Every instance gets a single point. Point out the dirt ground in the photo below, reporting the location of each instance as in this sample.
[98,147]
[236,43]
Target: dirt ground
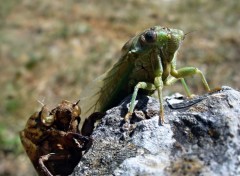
[49,50]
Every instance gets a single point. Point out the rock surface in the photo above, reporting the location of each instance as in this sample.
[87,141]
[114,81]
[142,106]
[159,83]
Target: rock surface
[201,136]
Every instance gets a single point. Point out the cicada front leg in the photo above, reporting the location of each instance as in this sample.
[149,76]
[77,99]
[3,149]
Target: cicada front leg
[189,71]
[140,85]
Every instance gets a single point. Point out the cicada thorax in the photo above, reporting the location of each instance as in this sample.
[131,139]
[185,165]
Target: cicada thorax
[141,72]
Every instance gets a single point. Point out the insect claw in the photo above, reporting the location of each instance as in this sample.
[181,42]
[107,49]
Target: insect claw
[127,117]
[160,122]
[161,118]
[192,96]
[215,90]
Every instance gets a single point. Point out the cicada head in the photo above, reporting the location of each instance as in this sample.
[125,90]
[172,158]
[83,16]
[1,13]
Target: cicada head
[164,40]
[169,39]
[163,37]
[67,116]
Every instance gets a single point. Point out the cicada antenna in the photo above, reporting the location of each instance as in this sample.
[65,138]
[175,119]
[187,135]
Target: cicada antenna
[189,33]
[41,101]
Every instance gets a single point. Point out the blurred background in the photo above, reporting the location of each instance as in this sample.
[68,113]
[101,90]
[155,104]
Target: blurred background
[49,50]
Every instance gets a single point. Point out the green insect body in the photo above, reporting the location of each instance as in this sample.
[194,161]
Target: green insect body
[147,63]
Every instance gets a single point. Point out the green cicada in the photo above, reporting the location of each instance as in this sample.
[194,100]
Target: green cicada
[147,63]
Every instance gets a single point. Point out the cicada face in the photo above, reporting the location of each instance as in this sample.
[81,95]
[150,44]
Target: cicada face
[164,40]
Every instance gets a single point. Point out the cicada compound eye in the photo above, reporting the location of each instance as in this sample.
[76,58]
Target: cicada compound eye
[149,36]
[76,111]
[46,118]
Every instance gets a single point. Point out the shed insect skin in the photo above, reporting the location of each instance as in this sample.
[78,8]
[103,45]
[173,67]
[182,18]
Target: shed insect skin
[53,141]
[147,64]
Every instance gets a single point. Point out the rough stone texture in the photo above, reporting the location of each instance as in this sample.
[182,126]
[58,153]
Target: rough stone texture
[201,136]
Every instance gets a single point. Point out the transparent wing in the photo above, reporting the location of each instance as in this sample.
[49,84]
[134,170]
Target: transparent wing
[99,93]
[90,97]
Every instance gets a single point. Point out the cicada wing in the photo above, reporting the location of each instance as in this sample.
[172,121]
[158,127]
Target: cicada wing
[90,97]
[99,93]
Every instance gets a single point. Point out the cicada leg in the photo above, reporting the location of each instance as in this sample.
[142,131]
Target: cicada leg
[172,80]
[159,86]
[50,157]
[140,85]
[42,166]
[188,71]
[88,125]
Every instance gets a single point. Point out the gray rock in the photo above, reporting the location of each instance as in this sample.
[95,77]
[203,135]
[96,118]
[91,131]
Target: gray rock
[201,136]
